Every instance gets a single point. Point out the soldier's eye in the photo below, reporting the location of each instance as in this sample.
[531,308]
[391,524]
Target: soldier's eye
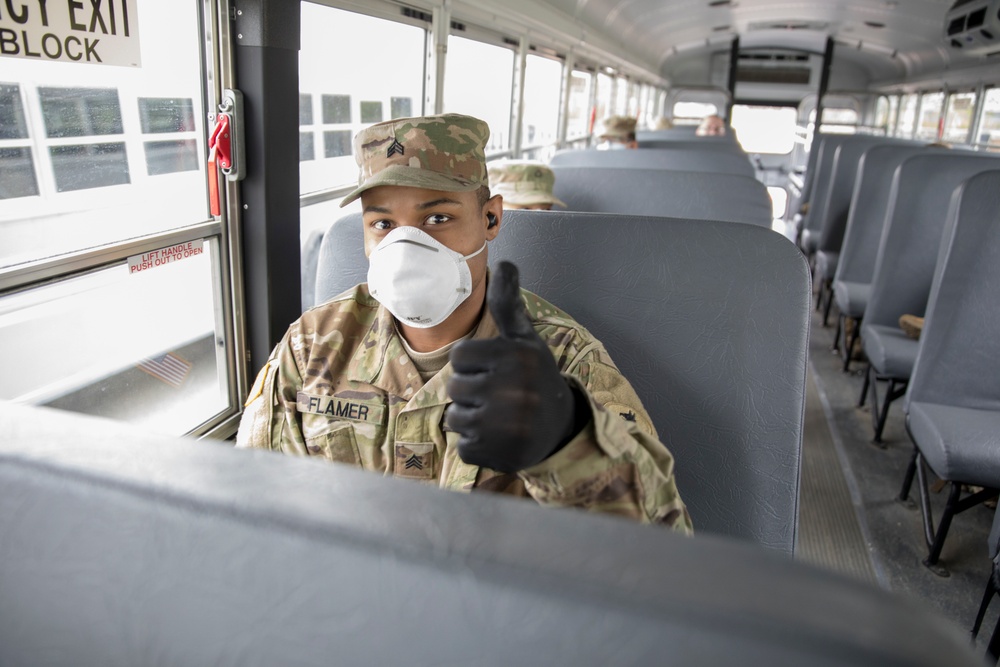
[438,218]
[381,225]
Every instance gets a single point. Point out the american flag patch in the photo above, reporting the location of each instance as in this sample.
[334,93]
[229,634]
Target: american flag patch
[167,368]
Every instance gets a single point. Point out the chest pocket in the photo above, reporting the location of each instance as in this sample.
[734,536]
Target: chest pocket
[338,444]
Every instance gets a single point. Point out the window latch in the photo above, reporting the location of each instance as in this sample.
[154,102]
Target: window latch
[225,146]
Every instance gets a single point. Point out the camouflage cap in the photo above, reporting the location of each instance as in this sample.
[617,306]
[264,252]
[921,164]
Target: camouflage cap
[618,127]
[523,183]
[445,152]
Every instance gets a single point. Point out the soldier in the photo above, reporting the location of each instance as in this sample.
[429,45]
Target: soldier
[619,132]
[436,370]
[711,126]
[523,184]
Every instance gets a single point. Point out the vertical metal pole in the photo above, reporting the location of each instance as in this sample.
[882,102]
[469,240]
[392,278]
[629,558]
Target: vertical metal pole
[437,50]
[734,63]
[824,81]
[564,95]
[517,117]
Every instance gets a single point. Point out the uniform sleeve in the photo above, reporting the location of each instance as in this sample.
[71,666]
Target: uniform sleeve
[270,419]
[616,464]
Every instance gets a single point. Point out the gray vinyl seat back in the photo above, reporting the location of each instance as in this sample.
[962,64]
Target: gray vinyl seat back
[869,205]
[720,162]
[708,320]
[310,258]
[959,359]
[124,548]
[841,187]
[908,250]
[819,181]
[723,143]
[661,192]
[807,178]
[680,132]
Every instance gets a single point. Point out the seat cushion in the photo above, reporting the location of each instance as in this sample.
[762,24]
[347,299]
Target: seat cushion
[960,444]
[852,298]
[891,352]
[826,264]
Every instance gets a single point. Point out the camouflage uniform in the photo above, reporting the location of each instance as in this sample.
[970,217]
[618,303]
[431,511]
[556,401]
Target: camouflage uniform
[340,385]
[523,183]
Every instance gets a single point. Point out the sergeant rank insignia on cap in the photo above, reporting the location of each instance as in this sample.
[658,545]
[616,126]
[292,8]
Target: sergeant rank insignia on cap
[395,147]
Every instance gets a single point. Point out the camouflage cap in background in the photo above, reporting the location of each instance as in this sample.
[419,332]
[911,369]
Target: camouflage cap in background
[618,127]
[446,152]
[523,183]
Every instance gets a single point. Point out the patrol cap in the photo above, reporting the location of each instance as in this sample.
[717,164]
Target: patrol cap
[446,152]
[523,182]
[618,127]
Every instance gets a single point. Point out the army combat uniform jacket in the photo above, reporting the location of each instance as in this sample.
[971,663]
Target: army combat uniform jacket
[340,385]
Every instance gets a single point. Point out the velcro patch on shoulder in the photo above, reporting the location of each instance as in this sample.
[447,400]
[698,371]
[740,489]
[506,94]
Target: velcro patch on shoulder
[258,385]
[339,408]
[630,415]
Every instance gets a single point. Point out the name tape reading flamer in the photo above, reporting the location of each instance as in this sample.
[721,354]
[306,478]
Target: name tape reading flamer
[164,256]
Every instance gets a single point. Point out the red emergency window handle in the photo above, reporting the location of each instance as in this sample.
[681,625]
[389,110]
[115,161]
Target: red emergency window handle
[219,156]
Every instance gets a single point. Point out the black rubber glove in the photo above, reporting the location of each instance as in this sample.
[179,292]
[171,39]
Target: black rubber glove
[511,406]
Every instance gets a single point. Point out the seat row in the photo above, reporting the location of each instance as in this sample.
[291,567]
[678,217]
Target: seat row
[922,238]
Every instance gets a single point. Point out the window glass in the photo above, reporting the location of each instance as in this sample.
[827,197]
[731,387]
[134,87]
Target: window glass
[763,129]
[931,105]
[402,107]
[171,157]
[17,173]
[694,110]
[579,104]
[307,146]
[989,122]
[958,119]
[336,109]
[371,112]
[890,126]
[12,122]
[305,110]
[881,111]
[837,120]
[125,344]
[622,95]
[89,166]
[542,81]
[907,116]
[336,143]
[75,168]
[467,91]
[604,109]
[165,114]
[79,112]
[377,80]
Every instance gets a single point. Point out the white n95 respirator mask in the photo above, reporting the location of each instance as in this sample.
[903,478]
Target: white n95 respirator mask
[419,279]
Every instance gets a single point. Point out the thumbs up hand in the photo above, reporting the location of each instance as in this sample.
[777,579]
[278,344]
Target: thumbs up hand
[511,406]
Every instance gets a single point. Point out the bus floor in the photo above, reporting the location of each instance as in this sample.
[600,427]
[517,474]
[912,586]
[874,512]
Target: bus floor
[849,519]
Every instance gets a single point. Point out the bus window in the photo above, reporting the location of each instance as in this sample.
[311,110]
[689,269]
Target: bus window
[691,113]
[467,91]
[765,129]
[890,126]
[623,97]
[380,86]
[907,116]
[114,270]
[885,113]
[579,104]
[837,120]
[604,108]
[958,118]
[989,121]
[931,105]
[542,81]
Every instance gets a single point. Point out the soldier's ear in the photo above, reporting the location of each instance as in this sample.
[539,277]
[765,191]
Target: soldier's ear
[491,220]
